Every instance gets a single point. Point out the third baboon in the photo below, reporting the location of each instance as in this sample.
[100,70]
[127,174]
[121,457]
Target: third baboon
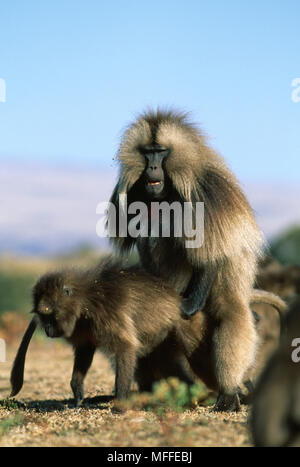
[275,417]
[284,281]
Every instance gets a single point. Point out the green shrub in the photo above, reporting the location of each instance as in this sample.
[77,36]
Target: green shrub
[286,247]
[169,394]
[11,422]
[15,291]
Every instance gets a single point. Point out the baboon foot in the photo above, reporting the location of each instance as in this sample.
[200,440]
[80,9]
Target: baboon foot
[227,403]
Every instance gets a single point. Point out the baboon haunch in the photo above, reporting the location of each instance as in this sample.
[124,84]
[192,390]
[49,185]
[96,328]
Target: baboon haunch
[165,158]
[194,342]
[129,315]
[275,418]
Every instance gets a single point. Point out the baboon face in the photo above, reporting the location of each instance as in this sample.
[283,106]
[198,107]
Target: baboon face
[160,154]
[154,175]
[56,305]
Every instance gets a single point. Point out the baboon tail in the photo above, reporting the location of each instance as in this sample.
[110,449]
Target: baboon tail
[17,372]
[269,298]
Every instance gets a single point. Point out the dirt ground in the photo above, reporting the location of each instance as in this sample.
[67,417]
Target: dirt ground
[47,416]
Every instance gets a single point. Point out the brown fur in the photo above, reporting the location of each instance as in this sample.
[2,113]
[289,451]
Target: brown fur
[275,417]
[285,282]
[196,346]
[105,309]
[232,240]
[129,315]
[126,313]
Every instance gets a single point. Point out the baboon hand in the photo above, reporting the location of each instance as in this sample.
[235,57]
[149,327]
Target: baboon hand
[188,308]
[227,403]
[198,291]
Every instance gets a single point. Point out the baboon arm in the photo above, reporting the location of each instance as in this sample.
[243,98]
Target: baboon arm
[198,290]
[125,366]
[17,372]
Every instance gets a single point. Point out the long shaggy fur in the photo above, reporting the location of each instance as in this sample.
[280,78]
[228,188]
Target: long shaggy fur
[275,418]
[232,239]
[131,316]
[198,174]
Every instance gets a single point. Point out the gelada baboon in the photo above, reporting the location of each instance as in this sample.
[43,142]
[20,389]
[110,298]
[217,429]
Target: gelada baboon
[163,157]
[105,308]
[275,416]
[283,281]
[126,313]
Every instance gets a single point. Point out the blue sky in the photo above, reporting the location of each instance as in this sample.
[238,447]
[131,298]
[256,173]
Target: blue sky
[77,72]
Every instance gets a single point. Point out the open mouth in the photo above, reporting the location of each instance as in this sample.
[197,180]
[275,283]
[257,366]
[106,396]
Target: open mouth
[155,183]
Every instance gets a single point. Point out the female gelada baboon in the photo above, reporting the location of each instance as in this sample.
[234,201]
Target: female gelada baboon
[163,157]
[129,315]
[104,307]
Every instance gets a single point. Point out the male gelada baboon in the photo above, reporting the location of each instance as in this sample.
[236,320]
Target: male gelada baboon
[129,315]
[163,157]
[275,417]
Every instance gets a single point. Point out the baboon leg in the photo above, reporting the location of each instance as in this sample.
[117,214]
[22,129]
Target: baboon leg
[150,370]
[83,357]
[145,373]
[234,344]
[180,371]
[164,361]
[125,366]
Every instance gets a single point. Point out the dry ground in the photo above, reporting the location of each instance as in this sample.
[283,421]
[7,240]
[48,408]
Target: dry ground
[48,417]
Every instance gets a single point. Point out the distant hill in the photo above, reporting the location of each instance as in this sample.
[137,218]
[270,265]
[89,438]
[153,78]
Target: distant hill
[46,211]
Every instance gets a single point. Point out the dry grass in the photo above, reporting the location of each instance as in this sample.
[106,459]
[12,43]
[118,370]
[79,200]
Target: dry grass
[47,417]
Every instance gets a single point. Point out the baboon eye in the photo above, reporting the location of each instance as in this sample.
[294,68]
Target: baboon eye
[67,290]
[42,310]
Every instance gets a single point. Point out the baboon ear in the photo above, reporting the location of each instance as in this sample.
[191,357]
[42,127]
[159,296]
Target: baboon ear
[67,290]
